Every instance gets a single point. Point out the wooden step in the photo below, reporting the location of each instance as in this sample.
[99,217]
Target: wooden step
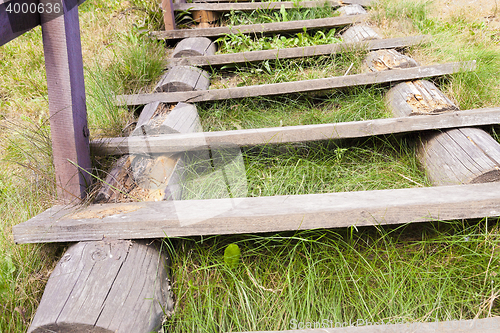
[486,325]
[160,219]
[250,6]
[294,52]
[263,28]
[251,137]
[299,86]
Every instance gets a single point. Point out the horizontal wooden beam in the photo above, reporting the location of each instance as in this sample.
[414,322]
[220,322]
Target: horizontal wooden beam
[299,86]
[13,24]
[249,6]
[264,28]
[486,325]
[172,143]
[295,52]
[364,3]
[261,214]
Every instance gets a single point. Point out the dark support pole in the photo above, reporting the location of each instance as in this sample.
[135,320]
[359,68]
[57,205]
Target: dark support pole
[168,14]
[67,106]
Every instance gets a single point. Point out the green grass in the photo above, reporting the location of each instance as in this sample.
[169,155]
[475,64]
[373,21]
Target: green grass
[458,39]
[339,106]
[370,164]
[266,16]
[425,272]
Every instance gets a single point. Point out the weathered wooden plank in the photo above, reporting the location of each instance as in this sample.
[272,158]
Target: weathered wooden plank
[67,106]
[264,28]
[294,52]
[288,134]
[360,2]
[260,214]
[486,325]
[299,86]
[250,6]
[168,14]
[195,46]
[359,33]
[105,286]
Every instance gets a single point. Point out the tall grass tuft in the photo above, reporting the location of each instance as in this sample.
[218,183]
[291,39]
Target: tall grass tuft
[26,189]
[426,272]
[136,64]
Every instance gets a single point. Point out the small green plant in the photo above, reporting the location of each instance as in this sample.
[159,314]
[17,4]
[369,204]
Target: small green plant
[234,43]
[232,255]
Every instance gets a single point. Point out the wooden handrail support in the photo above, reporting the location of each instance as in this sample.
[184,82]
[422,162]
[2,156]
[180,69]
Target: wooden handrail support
[66,90]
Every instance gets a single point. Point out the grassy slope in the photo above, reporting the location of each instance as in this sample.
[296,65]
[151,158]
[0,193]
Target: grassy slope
[426,272]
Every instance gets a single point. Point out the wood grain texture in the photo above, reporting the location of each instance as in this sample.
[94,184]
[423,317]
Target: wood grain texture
[168,15]
[288,134]
[455,156]
[416,98]
[460,156]
[264,28]
[299,86]
[360,2]
[195,46]
[294,52]
[115,181]
[183,118]
[147,176]
[105,286]
[486,325]
[67,105]
[183,78]
[359,33]
[260,214]
[382,60]
[352,10]
[250,6]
